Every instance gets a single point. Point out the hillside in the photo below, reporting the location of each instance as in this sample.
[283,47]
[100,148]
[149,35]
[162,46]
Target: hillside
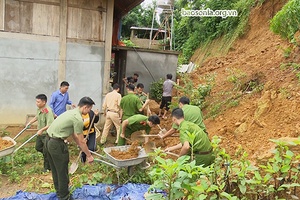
[259,116]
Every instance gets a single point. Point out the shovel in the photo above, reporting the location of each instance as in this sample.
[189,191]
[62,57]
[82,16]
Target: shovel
[74,165]
[24,142]
[149,147]
[172,154]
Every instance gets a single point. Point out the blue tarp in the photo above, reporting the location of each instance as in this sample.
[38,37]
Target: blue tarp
[128,191]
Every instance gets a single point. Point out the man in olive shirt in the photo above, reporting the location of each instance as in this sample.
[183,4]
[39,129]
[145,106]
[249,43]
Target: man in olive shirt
[136,123]
[45,117]
[131,104]
[140,92]
[191,114]
[202,148]
[70,123]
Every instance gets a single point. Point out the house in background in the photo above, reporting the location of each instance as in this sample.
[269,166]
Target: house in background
[43,42]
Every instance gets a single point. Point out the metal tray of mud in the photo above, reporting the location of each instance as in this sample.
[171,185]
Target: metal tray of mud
[8,150]
[128,162]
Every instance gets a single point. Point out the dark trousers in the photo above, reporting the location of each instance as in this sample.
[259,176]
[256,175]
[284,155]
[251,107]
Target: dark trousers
[165,102]
[91,143]
[58,155]
[40,147]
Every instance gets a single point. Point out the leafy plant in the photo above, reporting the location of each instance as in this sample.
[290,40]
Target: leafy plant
[227,178]
[129,43]
[287,21]
[196,94]
[235,76]
[156,90]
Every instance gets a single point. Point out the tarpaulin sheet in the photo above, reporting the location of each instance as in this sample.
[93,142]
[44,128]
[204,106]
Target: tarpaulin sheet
[128,191]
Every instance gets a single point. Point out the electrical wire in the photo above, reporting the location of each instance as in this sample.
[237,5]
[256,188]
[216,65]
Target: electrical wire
[144,64]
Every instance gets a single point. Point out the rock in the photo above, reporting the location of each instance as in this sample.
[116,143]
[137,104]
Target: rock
[238,123]
[263,105]
[243,119]
[241,129]
[222,131]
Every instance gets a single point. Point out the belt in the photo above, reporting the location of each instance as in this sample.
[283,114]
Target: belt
[56,139]
[112,111]
[203,152]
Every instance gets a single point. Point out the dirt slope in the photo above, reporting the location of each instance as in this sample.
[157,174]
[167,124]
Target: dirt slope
[273,113]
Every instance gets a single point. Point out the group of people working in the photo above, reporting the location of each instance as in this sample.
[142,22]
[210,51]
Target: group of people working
[55,125]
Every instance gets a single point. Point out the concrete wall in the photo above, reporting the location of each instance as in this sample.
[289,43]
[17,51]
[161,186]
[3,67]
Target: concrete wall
[84,72]
[157,64]
[29,66]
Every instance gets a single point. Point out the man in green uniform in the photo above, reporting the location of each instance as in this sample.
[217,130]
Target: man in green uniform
[140,92]
[191,114]
[136,123]
[70,123]
[131,104]
[202,150]
[44,117]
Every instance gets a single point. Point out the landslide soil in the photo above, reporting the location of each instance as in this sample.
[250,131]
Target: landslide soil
[270,114]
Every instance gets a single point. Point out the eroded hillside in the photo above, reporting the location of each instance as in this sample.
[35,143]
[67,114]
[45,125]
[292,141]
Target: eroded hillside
[256,58]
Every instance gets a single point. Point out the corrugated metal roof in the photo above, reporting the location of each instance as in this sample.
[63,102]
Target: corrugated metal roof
[122,7]
[147,29]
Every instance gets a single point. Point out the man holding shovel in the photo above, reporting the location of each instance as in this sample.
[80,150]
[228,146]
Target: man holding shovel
[45,117]
[136,123]
[199,148]
[131,104]
[70,123]
[191,114]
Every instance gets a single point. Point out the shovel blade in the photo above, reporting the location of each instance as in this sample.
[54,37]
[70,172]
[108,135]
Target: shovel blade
[73,168]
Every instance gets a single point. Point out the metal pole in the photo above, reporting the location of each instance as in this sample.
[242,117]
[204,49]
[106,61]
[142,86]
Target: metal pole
[172,29]
[151,31]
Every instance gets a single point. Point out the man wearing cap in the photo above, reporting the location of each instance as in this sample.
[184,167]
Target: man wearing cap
[70,123]
[136,123]
[202,148]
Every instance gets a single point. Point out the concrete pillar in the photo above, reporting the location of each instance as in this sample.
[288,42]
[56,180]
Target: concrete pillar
[63,20]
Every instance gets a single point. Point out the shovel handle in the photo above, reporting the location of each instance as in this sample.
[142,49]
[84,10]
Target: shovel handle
[24,143]
[159,127]
[24,129]
[98,160]
[172,154]
[148,136]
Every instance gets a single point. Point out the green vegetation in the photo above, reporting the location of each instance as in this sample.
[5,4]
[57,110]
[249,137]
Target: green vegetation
[193,32]
[156,90]
[227,178]
[128,43]
[287,21]
[196,94]
[295,67]
[235,76]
